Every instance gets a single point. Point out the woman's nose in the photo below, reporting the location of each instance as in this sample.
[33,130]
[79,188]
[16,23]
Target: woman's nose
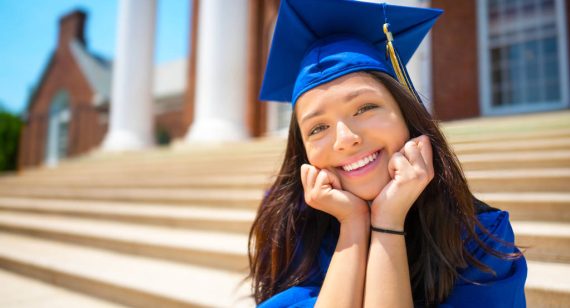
[345,138]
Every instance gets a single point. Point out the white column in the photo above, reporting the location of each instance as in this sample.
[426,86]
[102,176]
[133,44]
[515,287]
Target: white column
[131,113]
[221,72]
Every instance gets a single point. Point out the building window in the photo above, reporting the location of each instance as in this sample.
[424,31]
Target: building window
[58,129]
[523,55]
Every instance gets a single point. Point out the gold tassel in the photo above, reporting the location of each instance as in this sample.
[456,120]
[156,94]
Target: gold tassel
[397,64]
[394,57]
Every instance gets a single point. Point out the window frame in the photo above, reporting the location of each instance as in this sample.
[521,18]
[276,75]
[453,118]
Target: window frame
[485,80]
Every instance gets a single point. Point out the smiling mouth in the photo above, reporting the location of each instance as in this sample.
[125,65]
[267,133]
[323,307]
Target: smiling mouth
[361,163]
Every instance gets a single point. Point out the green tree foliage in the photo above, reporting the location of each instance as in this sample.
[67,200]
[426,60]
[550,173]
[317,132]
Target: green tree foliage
[10,129]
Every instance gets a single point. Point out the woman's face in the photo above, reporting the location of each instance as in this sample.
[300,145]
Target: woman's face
[351,126]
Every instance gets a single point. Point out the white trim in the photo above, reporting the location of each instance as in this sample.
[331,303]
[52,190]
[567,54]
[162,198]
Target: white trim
[562,24]
[483,53]
[484,66]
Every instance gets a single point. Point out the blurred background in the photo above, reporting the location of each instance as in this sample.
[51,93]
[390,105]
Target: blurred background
[134,150]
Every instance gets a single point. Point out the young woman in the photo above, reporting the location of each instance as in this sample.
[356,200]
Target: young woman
[370,207]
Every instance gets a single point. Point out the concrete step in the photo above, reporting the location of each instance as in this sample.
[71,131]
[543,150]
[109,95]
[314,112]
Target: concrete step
[554,207]
[268,161]
[545,241]
[170,181]
[508,180]
[19,291]
[211,249]
[186,217]
[518,123]
[163,168]
[519,180]
[125,279]
[538,180]
[555,204]
[144,282]
[534,139]
[259,176]
[242,198]
[516,160]
[184,163]
[508,136]
[547,285]
[546,144]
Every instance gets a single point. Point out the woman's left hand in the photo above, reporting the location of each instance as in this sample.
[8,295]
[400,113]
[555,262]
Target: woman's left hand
[411,170]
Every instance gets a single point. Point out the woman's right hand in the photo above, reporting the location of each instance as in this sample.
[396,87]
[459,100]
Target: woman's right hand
[324,192]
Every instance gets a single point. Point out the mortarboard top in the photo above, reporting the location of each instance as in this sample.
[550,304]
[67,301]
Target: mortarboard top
[316,41]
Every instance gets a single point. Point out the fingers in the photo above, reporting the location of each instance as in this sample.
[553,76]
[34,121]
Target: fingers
[423,145]
[304,171]
[333,179]
[317,183]
[312,179]
[321,181]
[398,164]
[418,153]
[426,151]
[412,153]
[308,173]
[311,176]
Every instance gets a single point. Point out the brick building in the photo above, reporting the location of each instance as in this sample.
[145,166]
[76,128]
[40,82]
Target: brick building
[67,113]
[483,58]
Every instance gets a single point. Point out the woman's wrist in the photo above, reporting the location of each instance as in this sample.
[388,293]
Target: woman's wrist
[387,221]
[388,231]
[358,222]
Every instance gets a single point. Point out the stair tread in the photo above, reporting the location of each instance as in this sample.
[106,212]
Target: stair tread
[548,276]
[518,173]
[516,155]
[127,208]
[560,197]
[539,228]
[21,291]
[186,283]
[138,193]
[217,242]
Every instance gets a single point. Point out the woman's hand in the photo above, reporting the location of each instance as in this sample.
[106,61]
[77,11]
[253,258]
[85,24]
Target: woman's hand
[411,170]
[324,192]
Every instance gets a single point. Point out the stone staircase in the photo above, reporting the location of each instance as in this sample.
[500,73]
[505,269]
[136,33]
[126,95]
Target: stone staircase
[168,227]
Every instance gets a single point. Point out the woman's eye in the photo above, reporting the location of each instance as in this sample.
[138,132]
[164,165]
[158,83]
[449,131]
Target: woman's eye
[317,129]
[366,108]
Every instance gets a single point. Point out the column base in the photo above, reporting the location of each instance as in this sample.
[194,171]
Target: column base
[117,141]
[216,130]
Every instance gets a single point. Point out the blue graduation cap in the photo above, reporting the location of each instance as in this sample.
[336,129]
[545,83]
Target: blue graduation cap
[316,41]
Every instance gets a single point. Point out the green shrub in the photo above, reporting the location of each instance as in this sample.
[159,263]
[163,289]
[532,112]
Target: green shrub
[10,129]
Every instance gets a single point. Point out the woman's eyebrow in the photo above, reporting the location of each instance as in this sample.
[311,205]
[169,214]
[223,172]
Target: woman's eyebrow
[352,95]
[313,114]
[347,98]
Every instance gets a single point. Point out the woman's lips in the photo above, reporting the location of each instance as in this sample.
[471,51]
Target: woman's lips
[364,169]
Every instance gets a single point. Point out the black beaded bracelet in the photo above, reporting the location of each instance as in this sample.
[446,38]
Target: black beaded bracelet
[387,231]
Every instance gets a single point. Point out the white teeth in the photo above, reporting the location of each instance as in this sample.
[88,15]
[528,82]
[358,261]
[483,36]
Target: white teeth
[361,163]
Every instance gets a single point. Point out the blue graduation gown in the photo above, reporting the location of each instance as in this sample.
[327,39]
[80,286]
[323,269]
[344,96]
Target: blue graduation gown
[506,289]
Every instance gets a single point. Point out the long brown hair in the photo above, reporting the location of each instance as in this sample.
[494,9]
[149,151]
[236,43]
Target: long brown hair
[286,235]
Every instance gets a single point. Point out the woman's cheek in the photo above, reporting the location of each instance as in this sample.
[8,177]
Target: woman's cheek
[316,154]
[318,151]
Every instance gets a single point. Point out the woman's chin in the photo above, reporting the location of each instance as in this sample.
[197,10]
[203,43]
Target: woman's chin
[367,189]
[365,194]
